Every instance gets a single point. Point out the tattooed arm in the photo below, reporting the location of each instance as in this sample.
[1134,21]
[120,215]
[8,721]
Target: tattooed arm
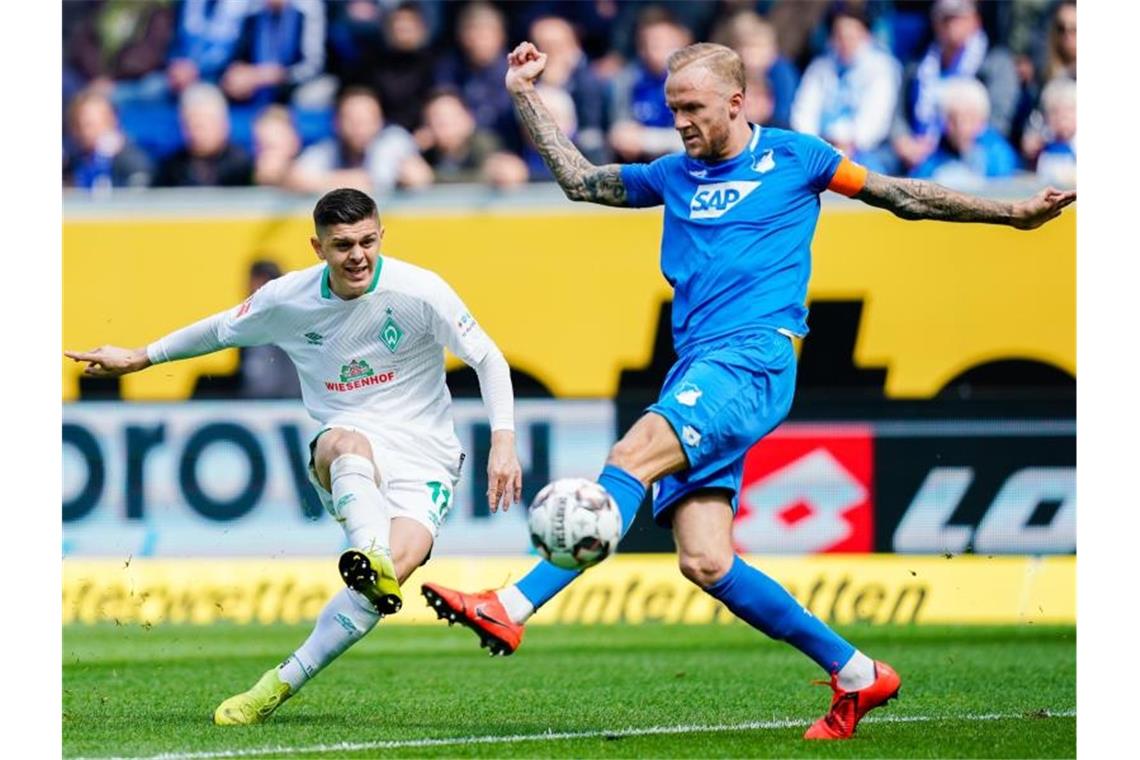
[918,199]
[578,178]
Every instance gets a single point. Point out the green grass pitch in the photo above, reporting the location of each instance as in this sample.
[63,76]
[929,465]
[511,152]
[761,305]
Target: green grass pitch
[618,691]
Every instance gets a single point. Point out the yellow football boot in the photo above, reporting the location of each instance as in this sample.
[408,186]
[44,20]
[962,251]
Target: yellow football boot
[372,574]
[255,705]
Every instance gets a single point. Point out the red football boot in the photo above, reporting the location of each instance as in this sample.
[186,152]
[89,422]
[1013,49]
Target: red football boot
[848,707]
[482,613]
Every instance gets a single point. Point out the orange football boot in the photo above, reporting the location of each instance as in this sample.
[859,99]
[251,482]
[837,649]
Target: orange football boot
[482,613]
[848,707]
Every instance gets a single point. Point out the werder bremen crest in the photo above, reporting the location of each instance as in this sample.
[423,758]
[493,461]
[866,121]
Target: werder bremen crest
[391,333]
[355,370]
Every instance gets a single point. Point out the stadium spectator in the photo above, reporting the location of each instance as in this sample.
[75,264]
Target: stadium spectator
[364,154]
[399,66]
[1061,54]
[119,41]
[849,96]
[1056,154]
[208,158]
[455,148]
[754,39]
[568,69]
[759,106]
[696,18]
[281,47]
[266,372]
[594,22]
[642,126]
[794,22]
[208,31]
[275,146]
[477,69]
[971,150]
[960,49]
[102,158]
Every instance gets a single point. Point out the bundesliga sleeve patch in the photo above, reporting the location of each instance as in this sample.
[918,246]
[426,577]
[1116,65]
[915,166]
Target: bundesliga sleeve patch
[465,324]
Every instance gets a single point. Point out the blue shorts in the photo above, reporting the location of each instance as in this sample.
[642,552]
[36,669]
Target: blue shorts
[720,399]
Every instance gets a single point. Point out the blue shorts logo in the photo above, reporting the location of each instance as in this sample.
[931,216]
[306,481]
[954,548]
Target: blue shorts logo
[687,394]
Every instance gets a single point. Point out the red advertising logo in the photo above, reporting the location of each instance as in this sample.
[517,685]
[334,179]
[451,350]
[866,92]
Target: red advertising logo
[807,489]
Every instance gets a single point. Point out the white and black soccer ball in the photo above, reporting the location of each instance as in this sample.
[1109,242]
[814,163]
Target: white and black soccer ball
[574,523]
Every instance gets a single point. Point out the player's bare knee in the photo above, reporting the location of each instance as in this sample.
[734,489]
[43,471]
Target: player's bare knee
[349,442]
[334,444]
[705,568]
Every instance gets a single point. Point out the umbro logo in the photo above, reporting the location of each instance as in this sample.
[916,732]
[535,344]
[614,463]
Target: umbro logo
[315,339]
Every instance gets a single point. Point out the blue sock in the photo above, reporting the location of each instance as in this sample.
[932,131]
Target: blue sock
[767,606]
[545,580]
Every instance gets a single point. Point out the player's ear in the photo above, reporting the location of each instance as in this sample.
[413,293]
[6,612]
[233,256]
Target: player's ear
[316,243]
[735,103]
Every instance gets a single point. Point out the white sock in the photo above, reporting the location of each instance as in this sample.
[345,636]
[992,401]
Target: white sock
[342,622]
[357,501]
[858,673]
[518,607]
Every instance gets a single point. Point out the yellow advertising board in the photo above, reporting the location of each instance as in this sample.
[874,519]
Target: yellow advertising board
[573,297]
[635,589]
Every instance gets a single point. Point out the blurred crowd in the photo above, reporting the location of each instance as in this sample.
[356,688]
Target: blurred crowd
[308,95]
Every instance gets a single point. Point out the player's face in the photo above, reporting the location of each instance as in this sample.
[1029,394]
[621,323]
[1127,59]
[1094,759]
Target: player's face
[350,250]
[703,108]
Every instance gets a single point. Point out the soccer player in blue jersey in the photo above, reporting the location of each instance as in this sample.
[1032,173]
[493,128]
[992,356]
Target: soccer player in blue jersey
[741,204]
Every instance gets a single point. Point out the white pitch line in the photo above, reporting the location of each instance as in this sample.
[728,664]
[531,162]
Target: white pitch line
[552,736]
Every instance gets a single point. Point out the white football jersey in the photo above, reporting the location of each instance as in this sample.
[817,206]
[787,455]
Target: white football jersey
[374,362]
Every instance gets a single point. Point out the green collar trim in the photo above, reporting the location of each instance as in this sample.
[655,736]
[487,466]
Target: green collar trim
[326,290]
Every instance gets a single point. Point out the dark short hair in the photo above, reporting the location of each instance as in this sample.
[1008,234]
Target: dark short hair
[354,91]
[265,269]
[342,206]
[444,91]
[847,10]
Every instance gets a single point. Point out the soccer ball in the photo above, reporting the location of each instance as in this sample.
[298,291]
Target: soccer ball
[574,523]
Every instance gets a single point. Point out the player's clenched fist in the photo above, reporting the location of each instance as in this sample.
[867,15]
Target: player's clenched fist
[524,65]
[110,361]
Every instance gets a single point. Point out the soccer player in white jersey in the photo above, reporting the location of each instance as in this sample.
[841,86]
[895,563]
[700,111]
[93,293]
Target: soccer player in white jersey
[366,333]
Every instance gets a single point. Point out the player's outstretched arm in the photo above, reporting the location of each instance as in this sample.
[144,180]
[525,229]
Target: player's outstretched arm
[202,337]
[111,361]
[578,178]
[919,199]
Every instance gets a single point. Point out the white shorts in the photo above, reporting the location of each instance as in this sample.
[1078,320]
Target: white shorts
[424,496]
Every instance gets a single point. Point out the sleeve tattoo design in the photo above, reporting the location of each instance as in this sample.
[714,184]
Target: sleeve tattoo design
[579,179]
[916,199]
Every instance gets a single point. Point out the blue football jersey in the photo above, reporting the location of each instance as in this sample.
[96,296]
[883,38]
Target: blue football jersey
[736,243]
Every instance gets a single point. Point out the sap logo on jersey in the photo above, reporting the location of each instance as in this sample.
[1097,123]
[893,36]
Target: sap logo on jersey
[712,201]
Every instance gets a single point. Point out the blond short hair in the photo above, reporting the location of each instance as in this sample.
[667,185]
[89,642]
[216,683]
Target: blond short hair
[722,61]
[967,92]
